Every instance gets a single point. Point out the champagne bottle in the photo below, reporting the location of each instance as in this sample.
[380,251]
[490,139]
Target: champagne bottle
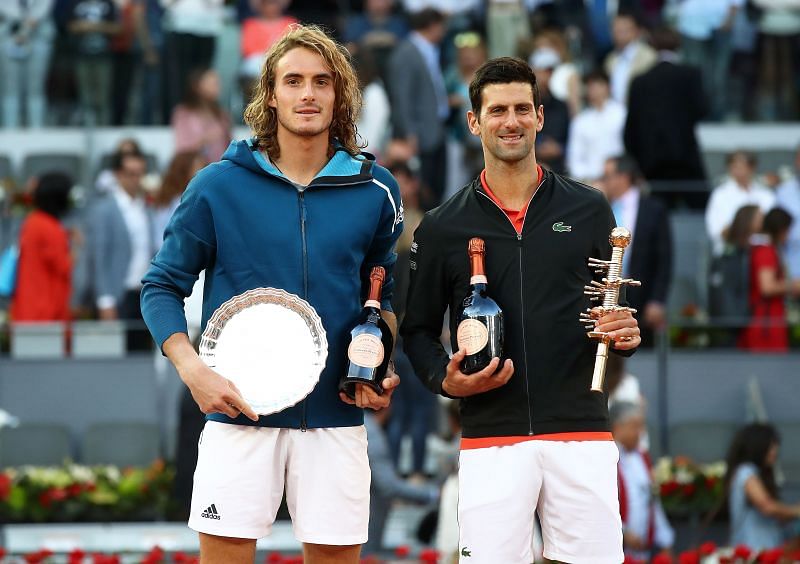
[371,342]
[479,319]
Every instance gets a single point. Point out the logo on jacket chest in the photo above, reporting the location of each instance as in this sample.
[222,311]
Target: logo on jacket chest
[559,227]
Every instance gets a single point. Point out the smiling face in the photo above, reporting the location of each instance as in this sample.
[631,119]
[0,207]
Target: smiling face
[508,122]
[304,94]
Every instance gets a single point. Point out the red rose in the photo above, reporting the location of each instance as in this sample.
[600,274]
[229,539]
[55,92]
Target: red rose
[90,487]
[2,552]
[74,490]
[273,558]
[428,556]
[770,556]
[742,551]
[711,481]
[688,557]
[402,551]
[669,488]
[662,558]
[725,560]
[708,548]
[688,490]
[44,499]
[5,486]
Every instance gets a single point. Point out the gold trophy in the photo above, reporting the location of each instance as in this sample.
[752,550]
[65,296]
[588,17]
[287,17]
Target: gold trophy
[608,292]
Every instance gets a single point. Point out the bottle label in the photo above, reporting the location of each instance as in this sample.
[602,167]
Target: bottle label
[478,279]
[472,336]
[366,351]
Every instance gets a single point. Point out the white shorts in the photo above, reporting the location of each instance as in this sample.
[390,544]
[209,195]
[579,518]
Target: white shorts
[242,471]
[572,485]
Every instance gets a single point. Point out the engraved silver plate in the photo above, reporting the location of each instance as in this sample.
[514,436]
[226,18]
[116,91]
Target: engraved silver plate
[268,342]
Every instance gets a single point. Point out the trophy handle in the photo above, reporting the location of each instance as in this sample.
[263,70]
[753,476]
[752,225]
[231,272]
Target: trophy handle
[599,374]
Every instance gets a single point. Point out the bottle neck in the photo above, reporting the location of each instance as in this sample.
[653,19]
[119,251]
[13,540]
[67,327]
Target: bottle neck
[374,297]
[478,271]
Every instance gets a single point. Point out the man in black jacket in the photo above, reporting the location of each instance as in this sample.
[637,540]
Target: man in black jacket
[536,439]
[665,104]
[649,256]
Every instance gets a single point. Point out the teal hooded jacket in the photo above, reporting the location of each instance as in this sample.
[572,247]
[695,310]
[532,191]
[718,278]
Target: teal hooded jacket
[248,226]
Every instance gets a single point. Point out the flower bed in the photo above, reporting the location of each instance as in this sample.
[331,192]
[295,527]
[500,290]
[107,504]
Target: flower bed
[687,488]
[73,493]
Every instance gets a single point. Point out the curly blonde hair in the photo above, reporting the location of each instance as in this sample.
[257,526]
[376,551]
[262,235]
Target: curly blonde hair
[263,119]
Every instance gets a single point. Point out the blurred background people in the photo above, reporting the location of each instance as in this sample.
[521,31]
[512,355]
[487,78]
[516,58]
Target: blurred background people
[46,250]
[788,197]
[730,277]
[465,154]
[164,202]
[596,132]
[631,57]
[769,287]
[26,41]
[386,485]
[646,530]
[191,29]
[199,122]
[419,101]
[551,141]
[92,25]
[758,518]
[665,104]
[120,246]
[374,122]
[257,36]
[739,189]
[648,258]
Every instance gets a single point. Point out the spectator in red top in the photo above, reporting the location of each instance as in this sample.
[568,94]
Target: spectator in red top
[45,264]
[769,287]
[258,35]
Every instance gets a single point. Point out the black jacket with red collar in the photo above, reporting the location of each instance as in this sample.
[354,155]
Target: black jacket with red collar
[537,278]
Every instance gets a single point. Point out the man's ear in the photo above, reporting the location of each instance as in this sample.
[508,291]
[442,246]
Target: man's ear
[474,123]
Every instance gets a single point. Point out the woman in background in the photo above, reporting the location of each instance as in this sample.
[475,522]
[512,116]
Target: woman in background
[758,517]
[199,122]
[44,272]
[769,287]
[179,172]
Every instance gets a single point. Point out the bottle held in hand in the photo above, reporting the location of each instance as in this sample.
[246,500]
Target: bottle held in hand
[479,319]
[371,342]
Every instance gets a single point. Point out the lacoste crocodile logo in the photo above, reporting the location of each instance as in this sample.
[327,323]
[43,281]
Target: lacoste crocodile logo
[561,228]
[465,553]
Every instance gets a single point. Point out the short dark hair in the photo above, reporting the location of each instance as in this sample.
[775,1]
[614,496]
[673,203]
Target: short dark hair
[425,18]
[751,158]
[502,70]
[597,75]
[626,164]
[665,38]
[118,159]
[51,194]
[777,221]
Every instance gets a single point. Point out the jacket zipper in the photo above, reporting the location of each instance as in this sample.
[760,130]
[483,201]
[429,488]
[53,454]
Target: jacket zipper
[302,203]
[521,297]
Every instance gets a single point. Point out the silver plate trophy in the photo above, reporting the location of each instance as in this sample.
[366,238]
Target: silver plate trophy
[271,344]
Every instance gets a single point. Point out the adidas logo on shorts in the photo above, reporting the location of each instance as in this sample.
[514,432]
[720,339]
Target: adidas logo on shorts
[211,513]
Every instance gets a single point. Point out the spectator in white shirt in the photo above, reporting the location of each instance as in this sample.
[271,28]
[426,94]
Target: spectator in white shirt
[788,197]
[596,132]
[630,58]
[738,190]
[646,530]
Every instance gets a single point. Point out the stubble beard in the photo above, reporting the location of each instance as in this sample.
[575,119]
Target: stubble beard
[308,130]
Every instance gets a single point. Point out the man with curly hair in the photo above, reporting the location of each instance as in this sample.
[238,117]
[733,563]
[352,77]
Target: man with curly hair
[299,208]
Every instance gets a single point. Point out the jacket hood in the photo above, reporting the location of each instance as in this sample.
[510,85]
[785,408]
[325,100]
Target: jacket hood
[341,169]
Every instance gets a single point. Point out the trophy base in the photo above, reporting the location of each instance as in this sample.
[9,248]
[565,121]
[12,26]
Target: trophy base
[348,386]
